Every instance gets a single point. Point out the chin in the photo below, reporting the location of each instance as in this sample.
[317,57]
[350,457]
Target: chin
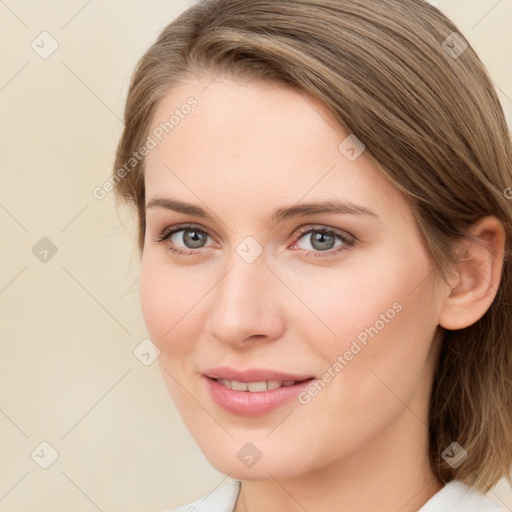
[240,461]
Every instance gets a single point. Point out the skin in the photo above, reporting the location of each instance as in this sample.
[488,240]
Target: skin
[361,443]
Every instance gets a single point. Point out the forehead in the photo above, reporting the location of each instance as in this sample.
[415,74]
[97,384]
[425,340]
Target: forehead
[245,111]
[256,142]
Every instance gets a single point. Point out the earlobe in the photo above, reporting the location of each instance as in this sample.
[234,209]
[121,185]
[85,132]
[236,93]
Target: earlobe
[477,276]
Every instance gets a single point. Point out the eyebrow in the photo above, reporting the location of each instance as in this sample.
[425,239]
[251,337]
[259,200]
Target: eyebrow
[279,214]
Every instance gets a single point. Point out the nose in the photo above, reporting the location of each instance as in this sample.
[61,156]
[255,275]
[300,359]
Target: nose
[245,304]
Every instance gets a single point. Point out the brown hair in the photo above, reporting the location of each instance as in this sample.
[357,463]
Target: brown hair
[428,114]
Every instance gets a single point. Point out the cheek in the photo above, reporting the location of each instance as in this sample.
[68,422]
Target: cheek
[166,303]
[173,306]
[156,305]
[165,298]
[359,300]
[380,317]
[383,335]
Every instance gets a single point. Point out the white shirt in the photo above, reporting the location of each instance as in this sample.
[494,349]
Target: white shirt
[455,496]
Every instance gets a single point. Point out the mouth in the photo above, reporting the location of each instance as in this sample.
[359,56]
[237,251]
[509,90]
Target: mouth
[253,392]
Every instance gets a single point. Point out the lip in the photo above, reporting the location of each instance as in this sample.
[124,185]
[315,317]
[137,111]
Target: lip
[252,374]
[245,403]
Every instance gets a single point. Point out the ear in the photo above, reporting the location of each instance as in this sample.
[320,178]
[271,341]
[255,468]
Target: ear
[476,278]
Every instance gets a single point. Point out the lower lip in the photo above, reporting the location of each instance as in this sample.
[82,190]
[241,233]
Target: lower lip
[247,403]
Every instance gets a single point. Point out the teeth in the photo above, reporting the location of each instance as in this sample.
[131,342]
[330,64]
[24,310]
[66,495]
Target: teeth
[252,387]
[257,386]
[239,386]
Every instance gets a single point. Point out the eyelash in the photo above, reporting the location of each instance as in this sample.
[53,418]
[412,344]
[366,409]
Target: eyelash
[347,241]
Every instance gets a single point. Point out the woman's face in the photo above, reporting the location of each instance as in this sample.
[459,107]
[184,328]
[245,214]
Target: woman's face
[298,261]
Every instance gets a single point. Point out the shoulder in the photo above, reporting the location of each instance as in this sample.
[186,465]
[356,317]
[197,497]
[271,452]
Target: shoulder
[221,499]
[457,495]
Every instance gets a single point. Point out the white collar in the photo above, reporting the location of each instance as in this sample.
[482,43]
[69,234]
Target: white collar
[455,495]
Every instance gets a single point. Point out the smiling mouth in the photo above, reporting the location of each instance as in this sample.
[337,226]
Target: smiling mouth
[257,387]
[257,397]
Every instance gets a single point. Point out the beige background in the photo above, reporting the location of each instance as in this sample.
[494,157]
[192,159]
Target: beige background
[69,325]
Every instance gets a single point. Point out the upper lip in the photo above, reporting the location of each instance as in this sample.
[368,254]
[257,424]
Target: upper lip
[252,374]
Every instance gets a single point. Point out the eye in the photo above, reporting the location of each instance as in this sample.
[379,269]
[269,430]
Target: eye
[323,241]
[189,239]
[183,237]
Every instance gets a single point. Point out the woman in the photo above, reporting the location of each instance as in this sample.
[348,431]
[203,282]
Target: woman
[325,236]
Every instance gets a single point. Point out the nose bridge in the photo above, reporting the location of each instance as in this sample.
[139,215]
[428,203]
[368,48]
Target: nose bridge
[244,302]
